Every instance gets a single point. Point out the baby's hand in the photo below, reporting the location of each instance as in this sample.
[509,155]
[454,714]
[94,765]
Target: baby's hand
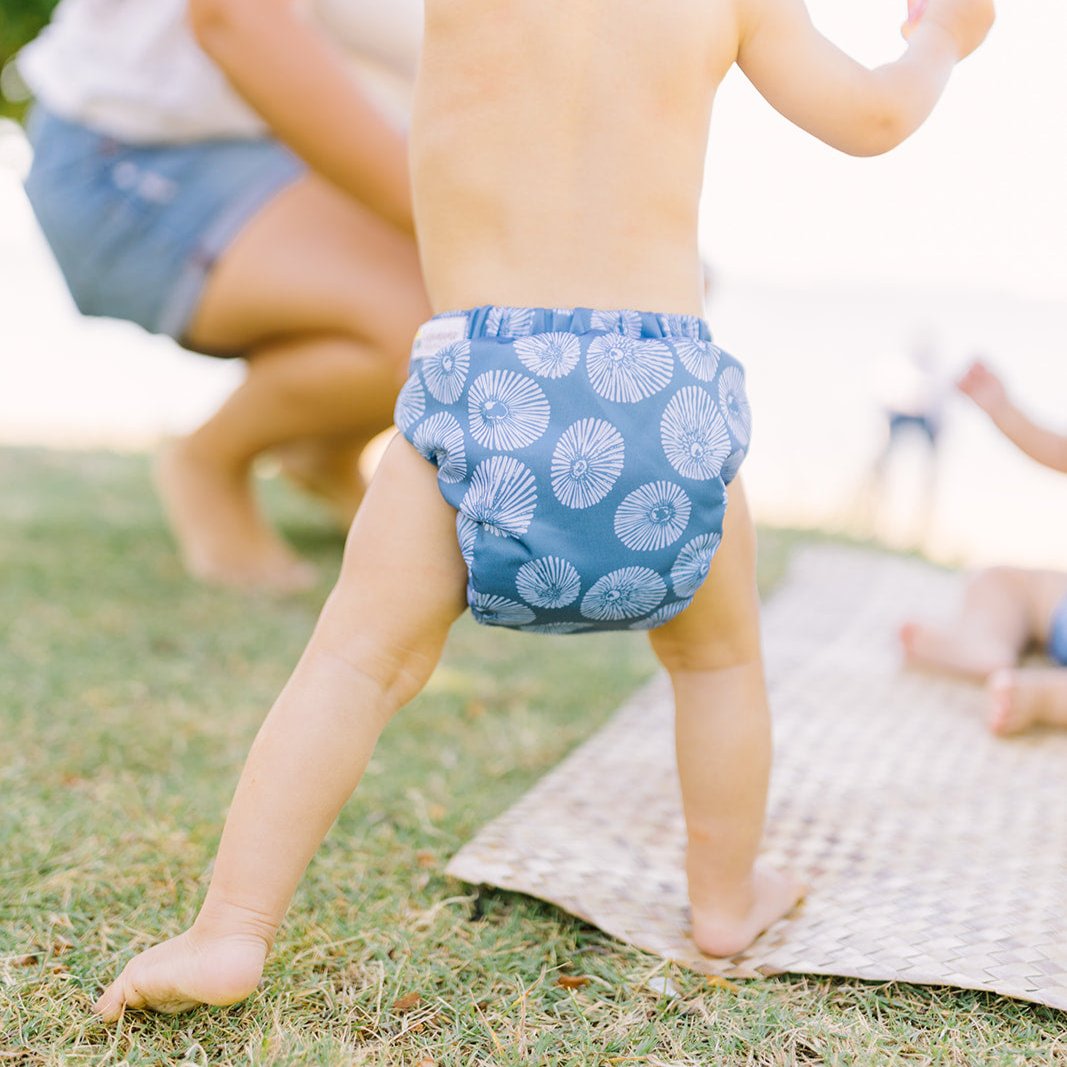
[966,21]
[984,388]
[915,12]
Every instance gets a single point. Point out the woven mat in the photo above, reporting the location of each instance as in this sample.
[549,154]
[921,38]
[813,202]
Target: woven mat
[934,852]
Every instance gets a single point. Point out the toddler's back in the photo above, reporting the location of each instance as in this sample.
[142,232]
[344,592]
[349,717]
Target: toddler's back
[559,149]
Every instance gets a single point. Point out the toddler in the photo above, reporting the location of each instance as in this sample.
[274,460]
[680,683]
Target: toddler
[569,431]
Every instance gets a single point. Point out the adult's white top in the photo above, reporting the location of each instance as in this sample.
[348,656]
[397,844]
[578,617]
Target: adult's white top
[133,69]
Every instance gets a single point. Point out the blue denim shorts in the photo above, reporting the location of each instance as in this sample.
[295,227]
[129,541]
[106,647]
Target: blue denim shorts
[587,455]
[137,228]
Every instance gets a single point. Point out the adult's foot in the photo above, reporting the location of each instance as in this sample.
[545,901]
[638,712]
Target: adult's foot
[222,537]
[1021,698]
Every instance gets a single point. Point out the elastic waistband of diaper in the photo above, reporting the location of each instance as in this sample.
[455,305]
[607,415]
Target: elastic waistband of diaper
[511,322]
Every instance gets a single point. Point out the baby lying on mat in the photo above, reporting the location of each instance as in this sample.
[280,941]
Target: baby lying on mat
[1006,610]
[564,465]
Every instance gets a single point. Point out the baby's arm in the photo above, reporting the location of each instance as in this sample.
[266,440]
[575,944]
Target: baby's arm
[988,392]
[291,75]
[859,111]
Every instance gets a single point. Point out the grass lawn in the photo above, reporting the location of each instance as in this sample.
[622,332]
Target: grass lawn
[128,698]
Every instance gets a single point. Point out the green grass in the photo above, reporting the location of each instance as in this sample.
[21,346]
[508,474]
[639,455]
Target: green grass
[20,21]
[128,697]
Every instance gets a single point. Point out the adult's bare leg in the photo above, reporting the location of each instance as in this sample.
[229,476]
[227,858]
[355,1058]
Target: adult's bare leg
[322,297]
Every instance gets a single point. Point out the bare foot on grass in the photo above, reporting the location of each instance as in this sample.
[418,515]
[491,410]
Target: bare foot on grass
[951,650]
[222,538]
[721,931]
[1019,699]
[184,972]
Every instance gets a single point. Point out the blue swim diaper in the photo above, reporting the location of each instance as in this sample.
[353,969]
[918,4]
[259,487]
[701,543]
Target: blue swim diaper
[587,455]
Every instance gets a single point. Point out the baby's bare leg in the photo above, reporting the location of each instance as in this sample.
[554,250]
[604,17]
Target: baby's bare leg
[994,625]
[722,723]
[1019,699]
[1004,610]
[381,632]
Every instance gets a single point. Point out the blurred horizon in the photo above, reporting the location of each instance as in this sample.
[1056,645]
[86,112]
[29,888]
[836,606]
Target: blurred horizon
[973,200]
[823,266]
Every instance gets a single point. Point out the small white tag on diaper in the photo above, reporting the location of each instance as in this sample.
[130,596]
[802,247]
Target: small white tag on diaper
[437,334]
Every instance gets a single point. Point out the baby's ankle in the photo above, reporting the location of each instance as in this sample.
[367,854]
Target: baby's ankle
[723,903]
[728,920]
[232,945]
[221,920]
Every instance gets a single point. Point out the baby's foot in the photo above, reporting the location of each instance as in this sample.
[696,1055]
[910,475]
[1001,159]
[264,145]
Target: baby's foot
[328,472]
[222,538]
[186,971]
[1019,699]
[947,650]
[726,932]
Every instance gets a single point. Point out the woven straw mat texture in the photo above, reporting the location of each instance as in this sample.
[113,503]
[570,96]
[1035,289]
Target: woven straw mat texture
[933,852]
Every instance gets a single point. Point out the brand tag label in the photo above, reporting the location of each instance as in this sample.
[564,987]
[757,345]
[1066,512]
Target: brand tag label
[437,334]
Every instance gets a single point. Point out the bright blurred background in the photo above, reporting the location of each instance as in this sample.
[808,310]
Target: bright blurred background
[825,269]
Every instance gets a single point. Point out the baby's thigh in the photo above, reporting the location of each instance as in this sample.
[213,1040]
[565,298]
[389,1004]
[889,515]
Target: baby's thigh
[721,627]
[403,580]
